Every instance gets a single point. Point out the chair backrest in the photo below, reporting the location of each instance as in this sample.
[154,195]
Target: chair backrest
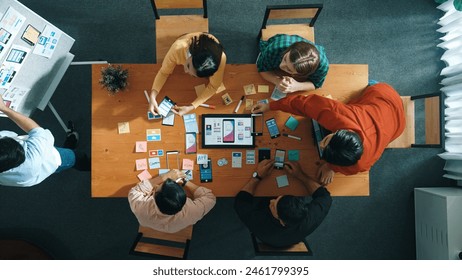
[152,242]
[264,249]
[433,117]
[178,4]
[170,27]
[285,13]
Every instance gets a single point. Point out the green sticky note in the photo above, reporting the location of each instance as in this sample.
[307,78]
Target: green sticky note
[293,155]
[291,123]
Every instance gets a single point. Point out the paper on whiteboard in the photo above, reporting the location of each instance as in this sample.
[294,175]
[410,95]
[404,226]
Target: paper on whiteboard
[12,64]
[48,41]
[14,97]
[10,25]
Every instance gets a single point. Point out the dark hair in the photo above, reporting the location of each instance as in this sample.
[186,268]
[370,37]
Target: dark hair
[171,198]
[11,154]
[304,56]
[291,209]
[344,149]
[206,55]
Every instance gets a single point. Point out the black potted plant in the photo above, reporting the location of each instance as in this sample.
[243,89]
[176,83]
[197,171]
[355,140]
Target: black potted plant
[114,78]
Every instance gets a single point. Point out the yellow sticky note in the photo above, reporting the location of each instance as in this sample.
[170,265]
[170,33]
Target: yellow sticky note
[124,127]
[250,89]
[227,99]
[248,104]
[263,88]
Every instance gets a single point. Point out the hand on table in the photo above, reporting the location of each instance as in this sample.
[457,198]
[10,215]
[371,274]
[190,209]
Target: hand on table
[265,167]
[182,110]
[153,106]
[288,85]
[173,174]
[260,108]
[324,174]
[293,168]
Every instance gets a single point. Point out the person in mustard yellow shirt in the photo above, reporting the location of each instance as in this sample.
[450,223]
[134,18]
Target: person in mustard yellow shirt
[202,56]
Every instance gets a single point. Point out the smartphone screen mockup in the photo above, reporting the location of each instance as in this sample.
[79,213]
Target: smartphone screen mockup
[165,106]
[191,143]
[228,131]
[272,128]
[279,158]
[206,171]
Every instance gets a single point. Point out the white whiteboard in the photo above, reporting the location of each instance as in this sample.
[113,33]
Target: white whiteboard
[38,73]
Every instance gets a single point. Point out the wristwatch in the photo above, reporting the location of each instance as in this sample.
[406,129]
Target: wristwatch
[255,175]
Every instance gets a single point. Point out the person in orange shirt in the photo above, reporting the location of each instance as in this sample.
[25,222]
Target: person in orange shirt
[362,129]
[202,56]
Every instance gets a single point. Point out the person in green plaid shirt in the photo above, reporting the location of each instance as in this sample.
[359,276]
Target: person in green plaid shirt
[292,63]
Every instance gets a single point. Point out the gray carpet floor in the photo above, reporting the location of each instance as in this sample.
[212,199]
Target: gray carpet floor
[397,39]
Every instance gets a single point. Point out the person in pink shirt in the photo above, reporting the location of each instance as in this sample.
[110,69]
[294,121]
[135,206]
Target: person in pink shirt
[162,204]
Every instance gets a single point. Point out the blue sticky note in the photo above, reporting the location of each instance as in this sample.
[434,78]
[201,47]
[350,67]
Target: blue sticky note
[291,123]
[293,155]
[282,181]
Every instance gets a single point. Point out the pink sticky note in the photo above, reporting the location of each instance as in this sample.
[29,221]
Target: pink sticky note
[144,175]
[141,164]
[141,146]
[188,164]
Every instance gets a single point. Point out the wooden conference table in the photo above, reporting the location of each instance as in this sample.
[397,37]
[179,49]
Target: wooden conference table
[113,154]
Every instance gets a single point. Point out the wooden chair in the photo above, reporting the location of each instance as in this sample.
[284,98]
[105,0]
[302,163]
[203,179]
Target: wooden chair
[433,132]
[284,16]
[301,248]
[151,242]
[170,27]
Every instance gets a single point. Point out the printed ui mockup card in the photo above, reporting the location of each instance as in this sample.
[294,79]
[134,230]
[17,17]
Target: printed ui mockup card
[153,134]
[202,158]
[250,156]
[156,153]
[237,160]
[154,163]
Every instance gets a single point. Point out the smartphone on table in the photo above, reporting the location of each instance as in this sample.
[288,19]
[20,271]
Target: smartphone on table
[165,106]
[279,158]
[206,171]
[272,128]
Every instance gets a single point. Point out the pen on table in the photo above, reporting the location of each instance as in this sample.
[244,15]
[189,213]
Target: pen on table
[292,136]
[207,106]
[239,104]
[147,96]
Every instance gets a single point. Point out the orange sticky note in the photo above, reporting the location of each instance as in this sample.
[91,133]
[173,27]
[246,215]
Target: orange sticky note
[188,164]
[145,175]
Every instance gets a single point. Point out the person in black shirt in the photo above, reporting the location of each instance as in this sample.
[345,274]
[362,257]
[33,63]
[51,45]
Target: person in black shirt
[284,220]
